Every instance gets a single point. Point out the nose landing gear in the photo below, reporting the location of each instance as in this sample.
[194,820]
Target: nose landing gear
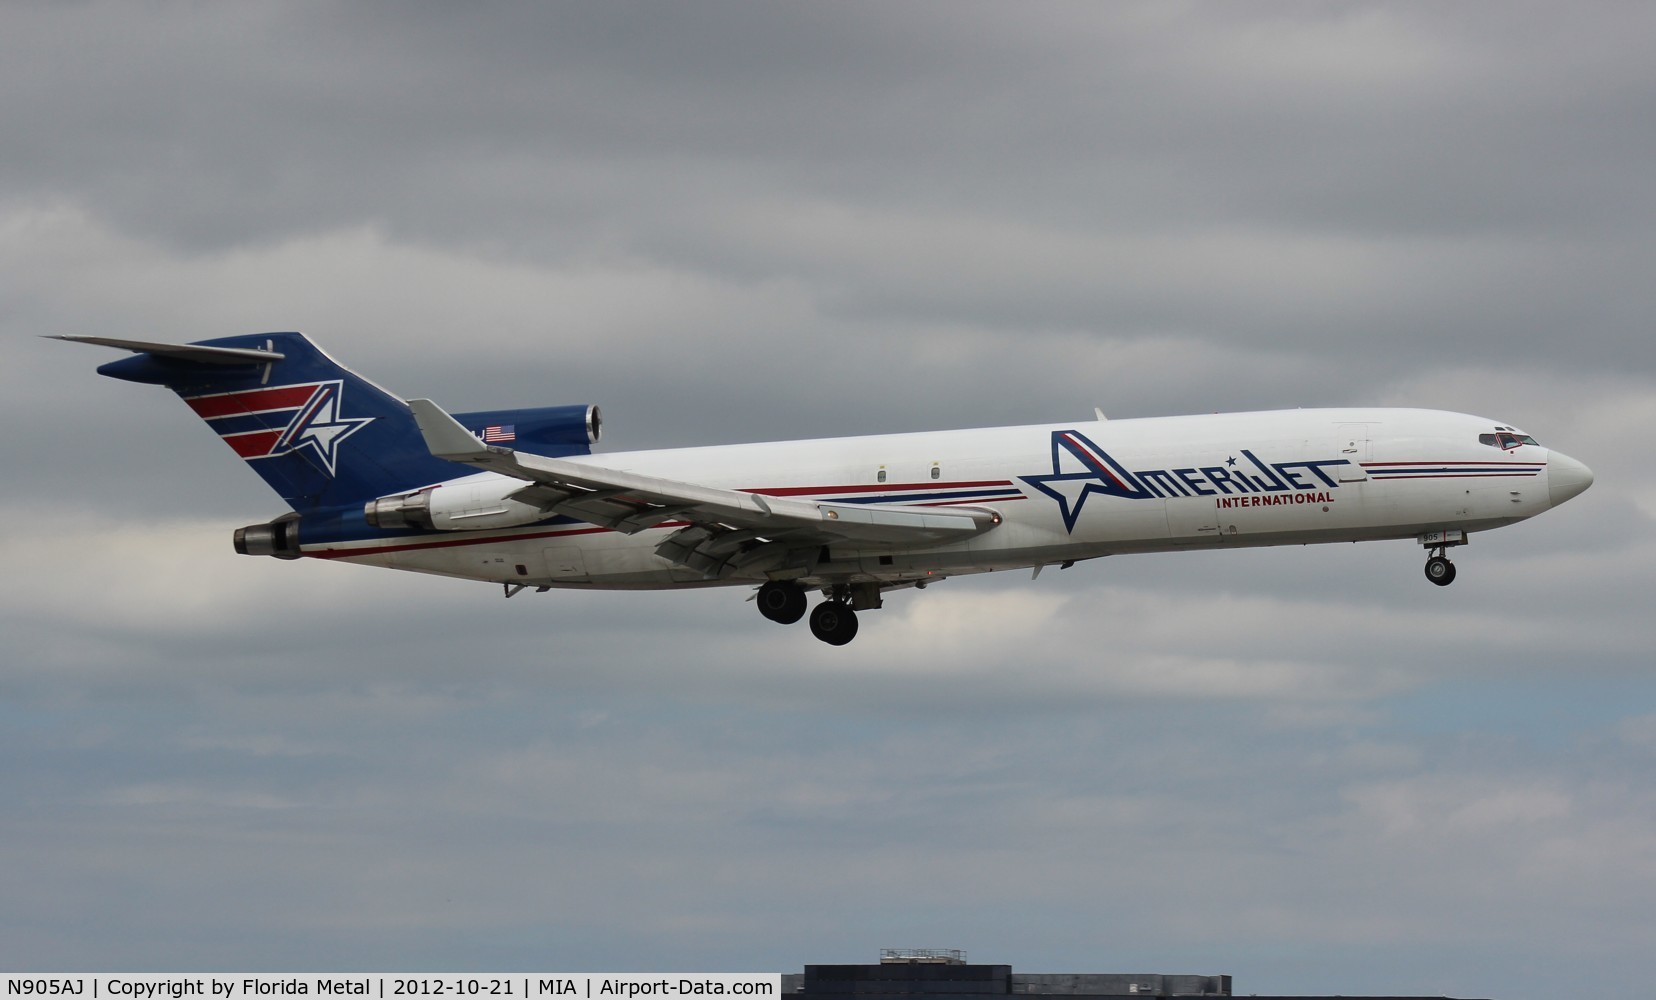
[1439,569]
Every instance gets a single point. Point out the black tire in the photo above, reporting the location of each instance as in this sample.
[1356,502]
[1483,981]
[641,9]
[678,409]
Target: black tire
[782,602]
[834,623]
[1440,571]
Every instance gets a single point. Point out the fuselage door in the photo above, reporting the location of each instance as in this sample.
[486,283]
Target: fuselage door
[1192,516]
[1192,519]
[566,564]
[1356,448]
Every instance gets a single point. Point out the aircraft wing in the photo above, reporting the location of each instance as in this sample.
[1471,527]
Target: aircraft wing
[726,530]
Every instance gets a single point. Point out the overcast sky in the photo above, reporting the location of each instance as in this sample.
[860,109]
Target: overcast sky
[1307,768]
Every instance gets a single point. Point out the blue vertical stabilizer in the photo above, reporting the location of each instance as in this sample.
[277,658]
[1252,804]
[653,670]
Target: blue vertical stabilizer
[319,434]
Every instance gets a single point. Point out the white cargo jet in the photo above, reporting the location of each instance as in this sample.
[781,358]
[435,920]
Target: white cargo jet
[515,497]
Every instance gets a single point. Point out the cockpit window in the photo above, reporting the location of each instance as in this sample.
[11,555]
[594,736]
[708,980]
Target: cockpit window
[1505,439]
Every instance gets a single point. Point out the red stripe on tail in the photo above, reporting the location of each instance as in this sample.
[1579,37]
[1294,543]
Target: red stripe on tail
[256,444]
[231,404]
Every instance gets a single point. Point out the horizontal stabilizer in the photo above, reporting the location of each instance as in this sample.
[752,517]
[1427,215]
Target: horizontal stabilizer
[182,352]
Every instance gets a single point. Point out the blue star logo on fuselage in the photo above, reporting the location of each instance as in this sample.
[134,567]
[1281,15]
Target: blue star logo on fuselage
[1092,471]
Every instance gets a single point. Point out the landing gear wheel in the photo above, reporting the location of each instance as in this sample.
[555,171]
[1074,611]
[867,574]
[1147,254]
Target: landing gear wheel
[834,623]
[782,602]
[1440,571]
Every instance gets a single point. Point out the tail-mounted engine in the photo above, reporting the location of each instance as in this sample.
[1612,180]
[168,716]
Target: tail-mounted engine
[455,506]
[406,510]
[553,431]
[487,503]
[279,538]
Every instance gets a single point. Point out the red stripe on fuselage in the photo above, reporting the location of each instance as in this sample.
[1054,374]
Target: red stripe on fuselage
[1454,461]
[800,491]
[1388,477]
[449,543]
[974,501]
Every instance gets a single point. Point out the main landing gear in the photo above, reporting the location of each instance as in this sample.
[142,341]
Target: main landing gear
[782,602]
[834,621]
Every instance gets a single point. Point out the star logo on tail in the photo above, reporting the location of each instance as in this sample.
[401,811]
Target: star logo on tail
[319,427]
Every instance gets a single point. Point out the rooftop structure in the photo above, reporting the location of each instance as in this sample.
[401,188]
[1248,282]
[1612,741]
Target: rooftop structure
[922,956]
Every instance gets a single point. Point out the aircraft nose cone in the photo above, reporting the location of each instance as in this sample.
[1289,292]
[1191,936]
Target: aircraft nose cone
[1566,477]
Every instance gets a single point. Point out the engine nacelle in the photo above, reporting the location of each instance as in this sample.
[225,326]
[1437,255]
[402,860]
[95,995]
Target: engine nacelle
[553,431]
[456,506]
[279,538]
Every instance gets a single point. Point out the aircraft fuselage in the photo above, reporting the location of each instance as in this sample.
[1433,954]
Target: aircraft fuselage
[1064,492]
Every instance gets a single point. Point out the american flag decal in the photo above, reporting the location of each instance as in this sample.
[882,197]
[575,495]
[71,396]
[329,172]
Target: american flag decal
[496,433]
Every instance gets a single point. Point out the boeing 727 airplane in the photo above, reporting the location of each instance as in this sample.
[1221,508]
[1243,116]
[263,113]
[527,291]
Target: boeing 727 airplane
[515,497]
